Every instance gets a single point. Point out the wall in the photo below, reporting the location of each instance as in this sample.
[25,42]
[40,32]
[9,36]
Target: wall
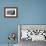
[29,12]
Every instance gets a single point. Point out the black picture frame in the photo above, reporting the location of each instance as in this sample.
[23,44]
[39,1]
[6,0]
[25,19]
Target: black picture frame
[10,12]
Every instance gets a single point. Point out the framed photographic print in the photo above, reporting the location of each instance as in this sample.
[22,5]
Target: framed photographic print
[33,32]
[10,12]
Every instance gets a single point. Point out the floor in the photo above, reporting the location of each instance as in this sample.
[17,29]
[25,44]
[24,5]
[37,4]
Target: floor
[34,43]
[7,45]
[28,43]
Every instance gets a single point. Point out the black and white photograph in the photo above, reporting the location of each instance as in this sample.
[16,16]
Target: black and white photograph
[33,32]
[11,12]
